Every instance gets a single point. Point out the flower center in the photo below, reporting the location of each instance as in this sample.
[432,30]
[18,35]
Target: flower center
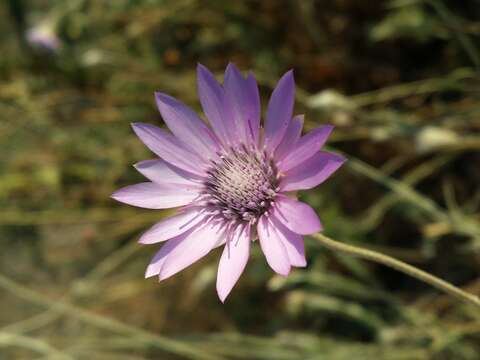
[242,184]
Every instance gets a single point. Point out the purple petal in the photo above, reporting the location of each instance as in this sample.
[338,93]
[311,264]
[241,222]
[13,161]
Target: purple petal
[279,111]
[43,38]
[233,261]
[312,172]
[171,227]
[272,247]
[163,173]
[245,100]
[159,259]
[169,148]
[215,105]
[153,196]
[293,244]
[306,147]
[195,246]
[187,126]
[253,98]
[296,216]
[290,138]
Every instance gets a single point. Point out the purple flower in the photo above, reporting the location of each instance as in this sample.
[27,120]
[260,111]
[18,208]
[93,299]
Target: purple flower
[43,37]
[232,181]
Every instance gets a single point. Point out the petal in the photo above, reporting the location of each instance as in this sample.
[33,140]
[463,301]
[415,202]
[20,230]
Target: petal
[171,227]
[296,216]
[161,256]
[169,148]
[272,247]
[162,173]
[195,246]
[290,138]
[185,124]
[255,111]
[306,147]
[245,101]
[214,104]
[279,111]
[233,261]
[311,172]
[293,244]
[153,196]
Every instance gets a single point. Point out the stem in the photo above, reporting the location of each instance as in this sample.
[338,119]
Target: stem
[400,266]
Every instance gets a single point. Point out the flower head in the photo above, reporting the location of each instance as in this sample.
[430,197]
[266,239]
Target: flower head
[43,37]
[232,181]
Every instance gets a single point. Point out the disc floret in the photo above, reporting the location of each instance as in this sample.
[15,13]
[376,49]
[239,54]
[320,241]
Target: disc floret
[242,184]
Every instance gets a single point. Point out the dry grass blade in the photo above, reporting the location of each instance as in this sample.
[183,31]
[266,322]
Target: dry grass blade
[115,326]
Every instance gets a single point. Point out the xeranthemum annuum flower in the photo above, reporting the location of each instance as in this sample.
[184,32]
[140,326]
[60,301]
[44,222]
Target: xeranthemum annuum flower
[232,182]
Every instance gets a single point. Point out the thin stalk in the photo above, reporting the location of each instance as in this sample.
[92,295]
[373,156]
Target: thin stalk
[177,347]
[400,266]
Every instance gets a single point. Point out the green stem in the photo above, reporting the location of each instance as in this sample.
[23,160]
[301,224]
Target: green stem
[400,266]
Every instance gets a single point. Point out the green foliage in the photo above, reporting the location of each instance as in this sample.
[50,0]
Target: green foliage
[410,21]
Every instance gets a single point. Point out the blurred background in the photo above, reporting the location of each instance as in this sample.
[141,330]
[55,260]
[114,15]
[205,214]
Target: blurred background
[399,79]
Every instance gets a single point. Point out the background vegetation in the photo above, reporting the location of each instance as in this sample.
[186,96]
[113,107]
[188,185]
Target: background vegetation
[399,79]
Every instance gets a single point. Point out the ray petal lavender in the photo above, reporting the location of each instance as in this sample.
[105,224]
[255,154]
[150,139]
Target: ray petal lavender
[231,181]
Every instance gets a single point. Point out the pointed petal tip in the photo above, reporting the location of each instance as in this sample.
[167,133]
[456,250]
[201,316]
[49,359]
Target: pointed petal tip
[282,272]
[165,102]
[142,241]
[139,128]
[140,164]
[136,126]
[285,274]
[289,75]
[300,263]
[222,296]
[202,68]
[160,96]
[287,79]
[231,67]
[328,129]
[149,272]
[165,98]
[115,195]
[203,73]
[162,277]
[223,292]
[165,275]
